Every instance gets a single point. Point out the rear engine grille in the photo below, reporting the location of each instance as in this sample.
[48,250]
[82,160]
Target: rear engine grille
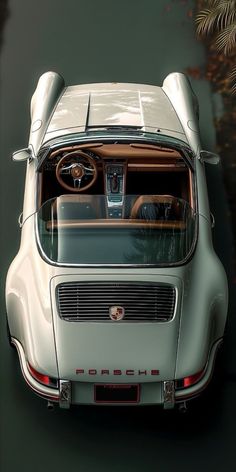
[91,301]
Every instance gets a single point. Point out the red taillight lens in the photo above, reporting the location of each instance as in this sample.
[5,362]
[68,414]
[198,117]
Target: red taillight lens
[43,379]
[190,380]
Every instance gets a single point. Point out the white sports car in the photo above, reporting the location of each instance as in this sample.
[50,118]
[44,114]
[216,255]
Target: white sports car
[116,294]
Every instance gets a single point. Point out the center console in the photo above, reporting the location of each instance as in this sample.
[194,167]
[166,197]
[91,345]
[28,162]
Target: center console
[115,173]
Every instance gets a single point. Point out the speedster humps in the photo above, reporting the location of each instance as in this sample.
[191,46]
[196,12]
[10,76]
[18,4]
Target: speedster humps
[116,295]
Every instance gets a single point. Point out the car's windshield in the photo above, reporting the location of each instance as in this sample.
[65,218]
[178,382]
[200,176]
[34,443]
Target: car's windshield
[136,230]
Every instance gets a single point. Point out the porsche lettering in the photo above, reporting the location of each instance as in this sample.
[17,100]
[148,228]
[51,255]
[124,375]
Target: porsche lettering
[117,372]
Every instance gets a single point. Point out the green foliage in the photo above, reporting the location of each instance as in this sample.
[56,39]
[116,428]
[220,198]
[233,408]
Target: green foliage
[217,22]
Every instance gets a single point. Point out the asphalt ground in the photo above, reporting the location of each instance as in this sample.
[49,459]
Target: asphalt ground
[89,41]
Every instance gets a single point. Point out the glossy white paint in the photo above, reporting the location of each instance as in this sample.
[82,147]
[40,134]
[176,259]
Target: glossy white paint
[113,105]
[57,110]
[178,348]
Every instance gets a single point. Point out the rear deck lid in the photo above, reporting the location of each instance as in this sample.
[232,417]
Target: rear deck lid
[134,348]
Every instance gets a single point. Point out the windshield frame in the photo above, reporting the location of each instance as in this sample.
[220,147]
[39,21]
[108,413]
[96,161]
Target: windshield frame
[112,136]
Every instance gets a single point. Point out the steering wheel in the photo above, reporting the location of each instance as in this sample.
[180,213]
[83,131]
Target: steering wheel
[77,165]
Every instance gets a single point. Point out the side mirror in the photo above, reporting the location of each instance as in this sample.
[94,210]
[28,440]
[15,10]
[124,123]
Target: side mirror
[22,155]
[209,157]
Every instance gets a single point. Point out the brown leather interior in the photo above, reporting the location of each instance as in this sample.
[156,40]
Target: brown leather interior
[74,148]
[149,170]
[143,200]
[123,151]
[72,224]
[79,206]
[132,151]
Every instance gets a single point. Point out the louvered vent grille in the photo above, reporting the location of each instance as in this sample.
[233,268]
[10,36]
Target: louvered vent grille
[78,301]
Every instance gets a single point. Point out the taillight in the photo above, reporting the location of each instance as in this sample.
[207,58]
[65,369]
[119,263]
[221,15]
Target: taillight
[190,380]
[42,378]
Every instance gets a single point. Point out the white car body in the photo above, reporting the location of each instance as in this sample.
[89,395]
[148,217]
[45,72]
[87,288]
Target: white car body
[129,305]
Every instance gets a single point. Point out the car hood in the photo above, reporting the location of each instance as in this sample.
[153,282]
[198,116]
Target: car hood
[57,110]
[84,107]
[95,351]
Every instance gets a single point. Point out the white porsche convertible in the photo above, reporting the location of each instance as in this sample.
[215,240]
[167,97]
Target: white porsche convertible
[116,295]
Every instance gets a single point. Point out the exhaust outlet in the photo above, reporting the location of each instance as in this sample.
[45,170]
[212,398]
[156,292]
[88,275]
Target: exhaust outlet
[183,407]
[50,406]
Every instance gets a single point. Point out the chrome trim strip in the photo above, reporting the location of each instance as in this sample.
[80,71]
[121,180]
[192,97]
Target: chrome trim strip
[42,390]
[168,394]
[89,301]
[196,389]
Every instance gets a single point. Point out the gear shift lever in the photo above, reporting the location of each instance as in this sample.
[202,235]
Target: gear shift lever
[114,183]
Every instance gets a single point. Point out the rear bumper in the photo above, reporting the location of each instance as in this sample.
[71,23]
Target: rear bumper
[152,393]
[51,394]
[195,390]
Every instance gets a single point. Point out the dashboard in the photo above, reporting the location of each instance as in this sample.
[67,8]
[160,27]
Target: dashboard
[121,170]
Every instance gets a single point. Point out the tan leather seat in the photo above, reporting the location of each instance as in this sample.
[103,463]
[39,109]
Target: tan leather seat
[155,207]
[79,207]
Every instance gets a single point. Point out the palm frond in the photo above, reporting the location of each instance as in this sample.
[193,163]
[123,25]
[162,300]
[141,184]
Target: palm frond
[233,89]
[212,2]
[232,74]
[227,13]
[232,78]
[206,21]
[218,15]
[226,40]
[218,21]
[222,5]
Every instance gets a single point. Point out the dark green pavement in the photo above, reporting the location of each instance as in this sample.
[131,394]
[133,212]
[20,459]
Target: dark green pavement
[89,41]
